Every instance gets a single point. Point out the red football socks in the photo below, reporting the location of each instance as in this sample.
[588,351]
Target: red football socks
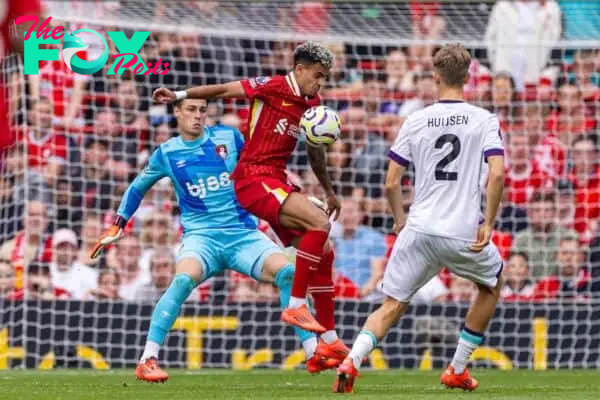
[308,258]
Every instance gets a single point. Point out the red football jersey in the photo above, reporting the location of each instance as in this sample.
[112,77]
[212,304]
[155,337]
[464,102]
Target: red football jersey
[522,186]
[8,13]
[551,156]
[276,106]
[40,151]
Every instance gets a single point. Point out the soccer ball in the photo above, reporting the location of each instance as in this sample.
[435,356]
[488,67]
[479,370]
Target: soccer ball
[321,125]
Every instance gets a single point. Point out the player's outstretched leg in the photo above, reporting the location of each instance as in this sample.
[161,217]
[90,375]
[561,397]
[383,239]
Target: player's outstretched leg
[283,277]
[376,327]
[322,290]
[471,336]
[164,315]
[299,213]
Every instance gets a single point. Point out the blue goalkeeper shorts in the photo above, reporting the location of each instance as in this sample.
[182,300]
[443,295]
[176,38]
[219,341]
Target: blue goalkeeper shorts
[241,250]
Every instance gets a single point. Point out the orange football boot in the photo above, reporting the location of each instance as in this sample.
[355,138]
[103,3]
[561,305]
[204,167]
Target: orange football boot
[344,380]
[462,381]
[336,350]
[149,371]
[317,364]
[302,318]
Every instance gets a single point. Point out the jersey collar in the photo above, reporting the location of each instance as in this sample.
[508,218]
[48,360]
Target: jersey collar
[197,142]
[450,101]
[290,78]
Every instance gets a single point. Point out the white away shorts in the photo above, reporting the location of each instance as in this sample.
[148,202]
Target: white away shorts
[417,257]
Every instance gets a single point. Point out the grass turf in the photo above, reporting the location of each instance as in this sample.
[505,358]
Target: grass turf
[266,384]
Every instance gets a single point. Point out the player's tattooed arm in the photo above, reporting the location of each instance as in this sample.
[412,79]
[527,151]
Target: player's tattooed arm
[317,157]
[394,193]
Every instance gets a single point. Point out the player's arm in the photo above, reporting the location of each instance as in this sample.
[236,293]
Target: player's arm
[393,193]
[220,91]
[317,157]
[495,186]
[131,201]
[400,157]
[493,152]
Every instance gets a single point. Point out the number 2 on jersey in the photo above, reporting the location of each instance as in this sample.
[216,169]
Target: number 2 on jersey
[440,174]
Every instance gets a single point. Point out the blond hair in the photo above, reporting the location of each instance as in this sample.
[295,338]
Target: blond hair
[451,62]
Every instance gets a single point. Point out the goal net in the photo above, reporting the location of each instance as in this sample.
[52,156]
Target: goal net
[81,139]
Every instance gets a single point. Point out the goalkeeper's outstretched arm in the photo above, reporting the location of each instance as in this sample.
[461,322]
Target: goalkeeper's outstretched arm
[220,91]
[131,201]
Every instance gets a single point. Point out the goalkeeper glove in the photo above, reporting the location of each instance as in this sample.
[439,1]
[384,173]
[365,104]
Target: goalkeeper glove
[111,235]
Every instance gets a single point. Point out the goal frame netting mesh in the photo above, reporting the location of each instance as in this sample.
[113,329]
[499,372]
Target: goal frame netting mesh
[229,322]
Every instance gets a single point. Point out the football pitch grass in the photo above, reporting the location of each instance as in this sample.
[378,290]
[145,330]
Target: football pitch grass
[269,384]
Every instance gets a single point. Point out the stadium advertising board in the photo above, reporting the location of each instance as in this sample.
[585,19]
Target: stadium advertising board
[70,334]
[39,36]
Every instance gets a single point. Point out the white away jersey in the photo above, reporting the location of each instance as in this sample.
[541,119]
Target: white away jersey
[448,142]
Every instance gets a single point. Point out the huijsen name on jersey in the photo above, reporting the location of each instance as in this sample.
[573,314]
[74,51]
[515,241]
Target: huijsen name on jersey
[448,121]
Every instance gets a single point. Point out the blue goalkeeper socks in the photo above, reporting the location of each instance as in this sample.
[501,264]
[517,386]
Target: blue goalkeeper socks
[168,307]
[283,280]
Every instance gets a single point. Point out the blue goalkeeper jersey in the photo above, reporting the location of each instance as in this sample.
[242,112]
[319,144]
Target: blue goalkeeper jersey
[200,172]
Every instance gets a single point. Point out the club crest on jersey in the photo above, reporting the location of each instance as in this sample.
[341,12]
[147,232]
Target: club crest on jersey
[259,80]
[221,151]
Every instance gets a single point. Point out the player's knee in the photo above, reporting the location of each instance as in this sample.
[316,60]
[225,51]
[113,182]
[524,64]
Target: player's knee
[319,222]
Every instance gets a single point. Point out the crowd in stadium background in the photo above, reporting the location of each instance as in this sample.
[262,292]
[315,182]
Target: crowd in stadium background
[81,139]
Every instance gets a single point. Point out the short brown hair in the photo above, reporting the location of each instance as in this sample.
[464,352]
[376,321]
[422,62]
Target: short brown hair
[452,62]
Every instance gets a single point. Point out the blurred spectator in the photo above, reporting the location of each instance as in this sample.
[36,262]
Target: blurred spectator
[162,271]
[572,117]
[279,60]
[160,134]
[67,214]
[95,188]
[523,176]
[131,118]
[586,180]
[566,204]
[461,290]
[39,285]
[426,95]
[511,218]
[65,88]
[519,37]
[7,280]
[339,162]
[571,281]
[505,100]
[427,24]
[549,152]
[122,150]
[194,65]
[66,272]
[131,275]
[357,248]
[399,76]
[17,186]
[247,290]
[32,243]
[46,150]
[157,230]
[375,96]
[518,285]
[585,74]
[91,229]
[541,239]
[369,164]
[341,76]
[107,288]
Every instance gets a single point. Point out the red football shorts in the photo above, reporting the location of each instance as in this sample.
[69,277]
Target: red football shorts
[263,197]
